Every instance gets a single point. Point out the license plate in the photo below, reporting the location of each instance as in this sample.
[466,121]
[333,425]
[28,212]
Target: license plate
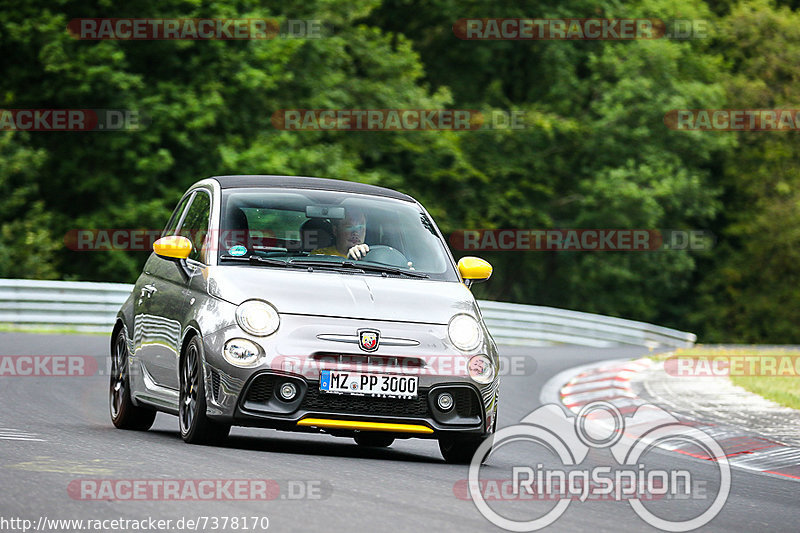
[387,385]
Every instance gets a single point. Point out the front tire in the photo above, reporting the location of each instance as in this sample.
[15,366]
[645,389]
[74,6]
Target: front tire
[124,414]
[196,427]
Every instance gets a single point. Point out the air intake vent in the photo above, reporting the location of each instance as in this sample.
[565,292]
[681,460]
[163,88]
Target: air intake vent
[316,400]
[215,385]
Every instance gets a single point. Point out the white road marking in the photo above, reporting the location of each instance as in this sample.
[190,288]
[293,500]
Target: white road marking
[18,434]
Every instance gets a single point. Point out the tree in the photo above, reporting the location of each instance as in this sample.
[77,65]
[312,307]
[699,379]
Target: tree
[751,291]
[595,152]
[207,106]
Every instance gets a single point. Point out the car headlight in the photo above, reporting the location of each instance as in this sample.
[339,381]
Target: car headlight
[464,332]
[481,369]
[258,318]
[241,352]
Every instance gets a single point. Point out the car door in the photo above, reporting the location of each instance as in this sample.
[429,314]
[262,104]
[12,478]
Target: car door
[164,304]
[145,323]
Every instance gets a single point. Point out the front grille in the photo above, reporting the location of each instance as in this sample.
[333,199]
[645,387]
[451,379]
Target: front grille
[260,390]
[363,360]
[317,400]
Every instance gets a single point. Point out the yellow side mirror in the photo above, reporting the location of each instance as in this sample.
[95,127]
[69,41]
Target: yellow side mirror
[474,269]
[173,247]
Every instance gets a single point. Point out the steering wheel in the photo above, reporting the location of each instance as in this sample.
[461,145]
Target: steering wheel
[380,253]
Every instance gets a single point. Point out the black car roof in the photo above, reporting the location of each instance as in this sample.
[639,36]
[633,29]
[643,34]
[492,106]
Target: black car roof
[299,182]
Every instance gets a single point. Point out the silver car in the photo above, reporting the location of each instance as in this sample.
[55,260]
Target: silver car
[306,304]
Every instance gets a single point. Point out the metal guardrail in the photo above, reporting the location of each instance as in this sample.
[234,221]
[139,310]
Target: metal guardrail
[530,325]
[88,306]
[81,305]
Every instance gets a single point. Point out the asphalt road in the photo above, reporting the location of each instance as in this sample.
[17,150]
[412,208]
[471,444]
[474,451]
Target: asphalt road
[56,430]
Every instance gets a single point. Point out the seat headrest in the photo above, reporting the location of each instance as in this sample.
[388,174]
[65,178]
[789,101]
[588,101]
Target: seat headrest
[316,233]
[236,229]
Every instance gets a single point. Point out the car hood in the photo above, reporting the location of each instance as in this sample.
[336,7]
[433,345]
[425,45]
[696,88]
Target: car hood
[333,294]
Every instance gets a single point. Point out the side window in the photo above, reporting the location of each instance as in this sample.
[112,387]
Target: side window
[172,225]
[195,223]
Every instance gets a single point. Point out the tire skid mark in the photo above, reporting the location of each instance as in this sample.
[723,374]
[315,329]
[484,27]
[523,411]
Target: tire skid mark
[743,448]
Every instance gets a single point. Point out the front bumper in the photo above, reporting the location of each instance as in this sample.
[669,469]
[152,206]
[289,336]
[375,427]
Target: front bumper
[259,405]
[241,396]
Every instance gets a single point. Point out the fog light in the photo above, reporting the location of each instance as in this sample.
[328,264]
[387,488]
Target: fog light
[445,401]
[481,369]
[288,391]
[241,352]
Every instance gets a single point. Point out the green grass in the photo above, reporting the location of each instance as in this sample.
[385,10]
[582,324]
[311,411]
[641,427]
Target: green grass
[784,390]
[19,328]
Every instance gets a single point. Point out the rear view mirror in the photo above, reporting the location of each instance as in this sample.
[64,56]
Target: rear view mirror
[324,211]
[474,270]
[173,247]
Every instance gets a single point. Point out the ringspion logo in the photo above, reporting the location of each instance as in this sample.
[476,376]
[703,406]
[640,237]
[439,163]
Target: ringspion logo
[630,475]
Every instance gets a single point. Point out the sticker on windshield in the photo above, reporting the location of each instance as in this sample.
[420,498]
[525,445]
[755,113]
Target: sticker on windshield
[237,250]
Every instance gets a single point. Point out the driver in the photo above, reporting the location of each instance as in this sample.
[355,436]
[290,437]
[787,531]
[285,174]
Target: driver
[349,233]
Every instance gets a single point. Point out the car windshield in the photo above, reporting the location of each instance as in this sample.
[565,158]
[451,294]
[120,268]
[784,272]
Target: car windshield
[318,229]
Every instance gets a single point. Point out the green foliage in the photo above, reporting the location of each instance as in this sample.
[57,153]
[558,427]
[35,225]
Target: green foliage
[208,105]
[752,290]
[27,246]
[595,152]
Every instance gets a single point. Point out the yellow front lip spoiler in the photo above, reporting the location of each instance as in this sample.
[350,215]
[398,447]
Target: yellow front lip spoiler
[364,426]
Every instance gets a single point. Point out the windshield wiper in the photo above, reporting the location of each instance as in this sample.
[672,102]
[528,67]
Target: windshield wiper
[329,265]
[391,270]
[350,266]
[371,267]
[335,266]
[255,260]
